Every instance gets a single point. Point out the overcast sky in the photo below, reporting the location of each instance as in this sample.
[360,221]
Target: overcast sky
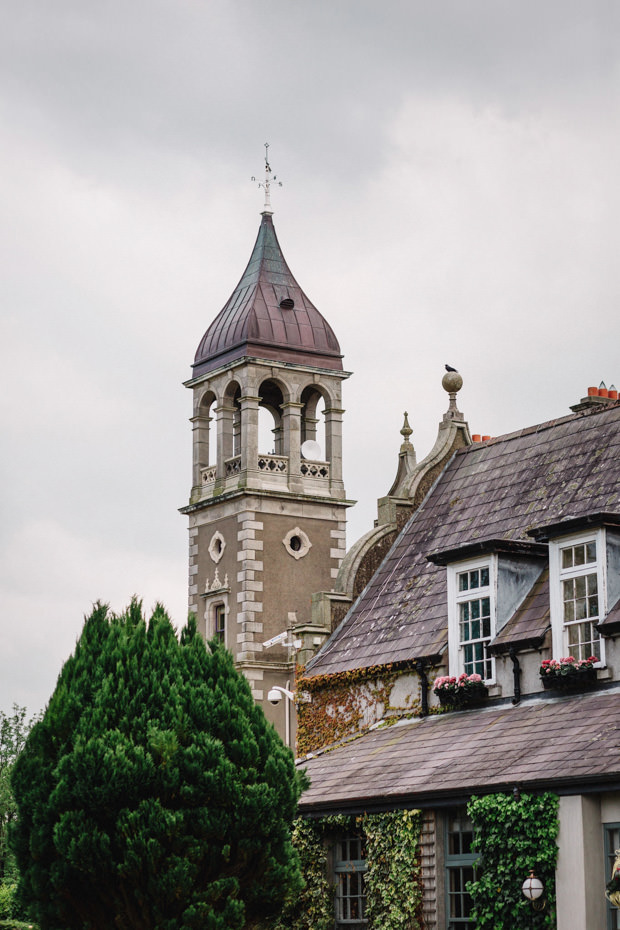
[450,195]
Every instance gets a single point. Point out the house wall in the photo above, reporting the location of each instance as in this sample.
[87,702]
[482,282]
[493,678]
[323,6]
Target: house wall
[612,658]
[344,705]
[580,874]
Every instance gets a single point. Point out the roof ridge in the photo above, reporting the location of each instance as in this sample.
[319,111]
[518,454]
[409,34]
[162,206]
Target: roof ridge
[541,427]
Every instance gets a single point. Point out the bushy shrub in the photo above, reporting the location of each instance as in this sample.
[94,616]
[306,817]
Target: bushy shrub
[153,793]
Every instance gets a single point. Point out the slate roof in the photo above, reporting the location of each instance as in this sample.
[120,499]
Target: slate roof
[497,490]
[555,742]
[268,316]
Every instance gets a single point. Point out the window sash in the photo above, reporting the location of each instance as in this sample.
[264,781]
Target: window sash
[350,897]
[459,864]
[219,623]
[471,617]
[577,594]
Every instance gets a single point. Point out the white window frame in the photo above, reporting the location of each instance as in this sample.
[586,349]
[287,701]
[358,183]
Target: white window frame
[557,574]
[456,662]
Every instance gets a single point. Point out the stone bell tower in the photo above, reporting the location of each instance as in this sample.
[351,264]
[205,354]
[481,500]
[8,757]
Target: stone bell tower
[267,505]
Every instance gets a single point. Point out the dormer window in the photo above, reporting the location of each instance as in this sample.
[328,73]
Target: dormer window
[576,567]
[471,609]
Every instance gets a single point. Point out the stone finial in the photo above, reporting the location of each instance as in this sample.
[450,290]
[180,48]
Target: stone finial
[406,432]
[452,382]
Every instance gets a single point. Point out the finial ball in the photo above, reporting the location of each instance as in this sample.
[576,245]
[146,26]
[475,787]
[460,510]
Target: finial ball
[452,382]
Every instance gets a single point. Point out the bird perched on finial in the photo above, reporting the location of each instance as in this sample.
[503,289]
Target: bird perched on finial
[450,368]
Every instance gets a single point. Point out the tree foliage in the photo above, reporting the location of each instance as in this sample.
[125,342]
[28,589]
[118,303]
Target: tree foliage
[14,729]
[153,793]
[513,835]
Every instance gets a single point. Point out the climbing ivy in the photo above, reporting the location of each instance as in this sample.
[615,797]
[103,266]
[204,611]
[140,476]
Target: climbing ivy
[311,908]
[339,703]
[393,885]
[513,835]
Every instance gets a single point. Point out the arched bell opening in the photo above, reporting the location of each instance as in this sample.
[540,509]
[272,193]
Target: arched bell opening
[229,423]
[270,428]
[313,427]
[204,439]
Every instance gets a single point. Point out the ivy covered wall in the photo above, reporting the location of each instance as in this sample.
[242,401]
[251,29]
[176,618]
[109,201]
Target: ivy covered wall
[512,836]
[393,886]
[342,705]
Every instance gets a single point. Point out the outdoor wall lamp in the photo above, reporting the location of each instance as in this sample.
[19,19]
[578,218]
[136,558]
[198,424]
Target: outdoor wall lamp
[276,694]
[533,888]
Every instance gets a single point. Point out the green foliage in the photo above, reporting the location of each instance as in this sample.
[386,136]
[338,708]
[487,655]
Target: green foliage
[512,837]
[7,899]
[17,925]
[14,729]
[313,907]
[393,886]
[153,793]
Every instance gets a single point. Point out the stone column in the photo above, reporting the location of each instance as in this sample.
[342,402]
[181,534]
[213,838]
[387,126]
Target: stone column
[225,417]
[249,433]
[309,429]
[200,446]
[291,421]
[333,442]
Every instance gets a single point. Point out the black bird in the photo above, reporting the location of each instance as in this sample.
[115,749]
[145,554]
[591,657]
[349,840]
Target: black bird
[450,368]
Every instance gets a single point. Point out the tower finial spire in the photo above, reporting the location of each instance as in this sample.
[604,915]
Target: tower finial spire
[266,184]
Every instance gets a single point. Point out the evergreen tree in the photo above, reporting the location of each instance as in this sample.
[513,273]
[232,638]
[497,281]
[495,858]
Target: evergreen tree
[153,793]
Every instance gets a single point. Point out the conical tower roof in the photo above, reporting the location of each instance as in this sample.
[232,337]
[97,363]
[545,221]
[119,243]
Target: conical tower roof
[268,316]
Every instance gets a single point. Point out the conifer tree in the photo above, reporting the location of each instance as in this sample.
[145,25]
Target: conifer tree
[153,793]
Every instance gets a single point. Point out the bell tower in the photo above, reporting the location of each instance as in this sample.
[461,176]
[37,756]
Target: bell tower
[267,505]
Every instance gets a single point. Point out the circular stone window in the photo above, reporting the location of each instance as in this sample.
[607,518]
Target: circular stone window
[297,543]
[217,546]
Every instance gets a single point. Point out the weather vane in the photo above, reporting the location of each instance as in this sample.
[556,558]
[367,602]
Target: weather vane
[266,184]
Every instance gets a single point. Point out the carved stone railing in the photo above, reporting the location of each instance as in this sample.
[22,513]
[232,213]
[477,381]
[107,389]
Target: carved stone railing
[207,475]
[273,464]
[315,469]
[233,466]
[269,464]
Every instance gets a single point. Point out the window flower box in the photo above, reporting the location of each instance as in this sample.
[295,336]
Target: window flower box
[464,691]
[568,674]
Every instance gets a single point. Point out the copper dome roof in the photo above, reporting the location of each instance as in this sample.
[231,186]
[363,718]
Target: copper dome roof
[268,316]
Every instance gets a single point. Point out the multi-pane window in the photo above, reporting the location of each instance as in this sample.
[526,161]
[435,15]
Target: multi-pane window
[219,622]
[579,585]
[349,868]
[459,863]
[612,843]
[475,624]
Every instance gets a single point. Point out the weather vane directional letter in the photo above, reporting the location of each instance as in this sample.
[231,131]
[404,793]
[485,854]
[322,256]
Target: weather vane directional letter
[266,184]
